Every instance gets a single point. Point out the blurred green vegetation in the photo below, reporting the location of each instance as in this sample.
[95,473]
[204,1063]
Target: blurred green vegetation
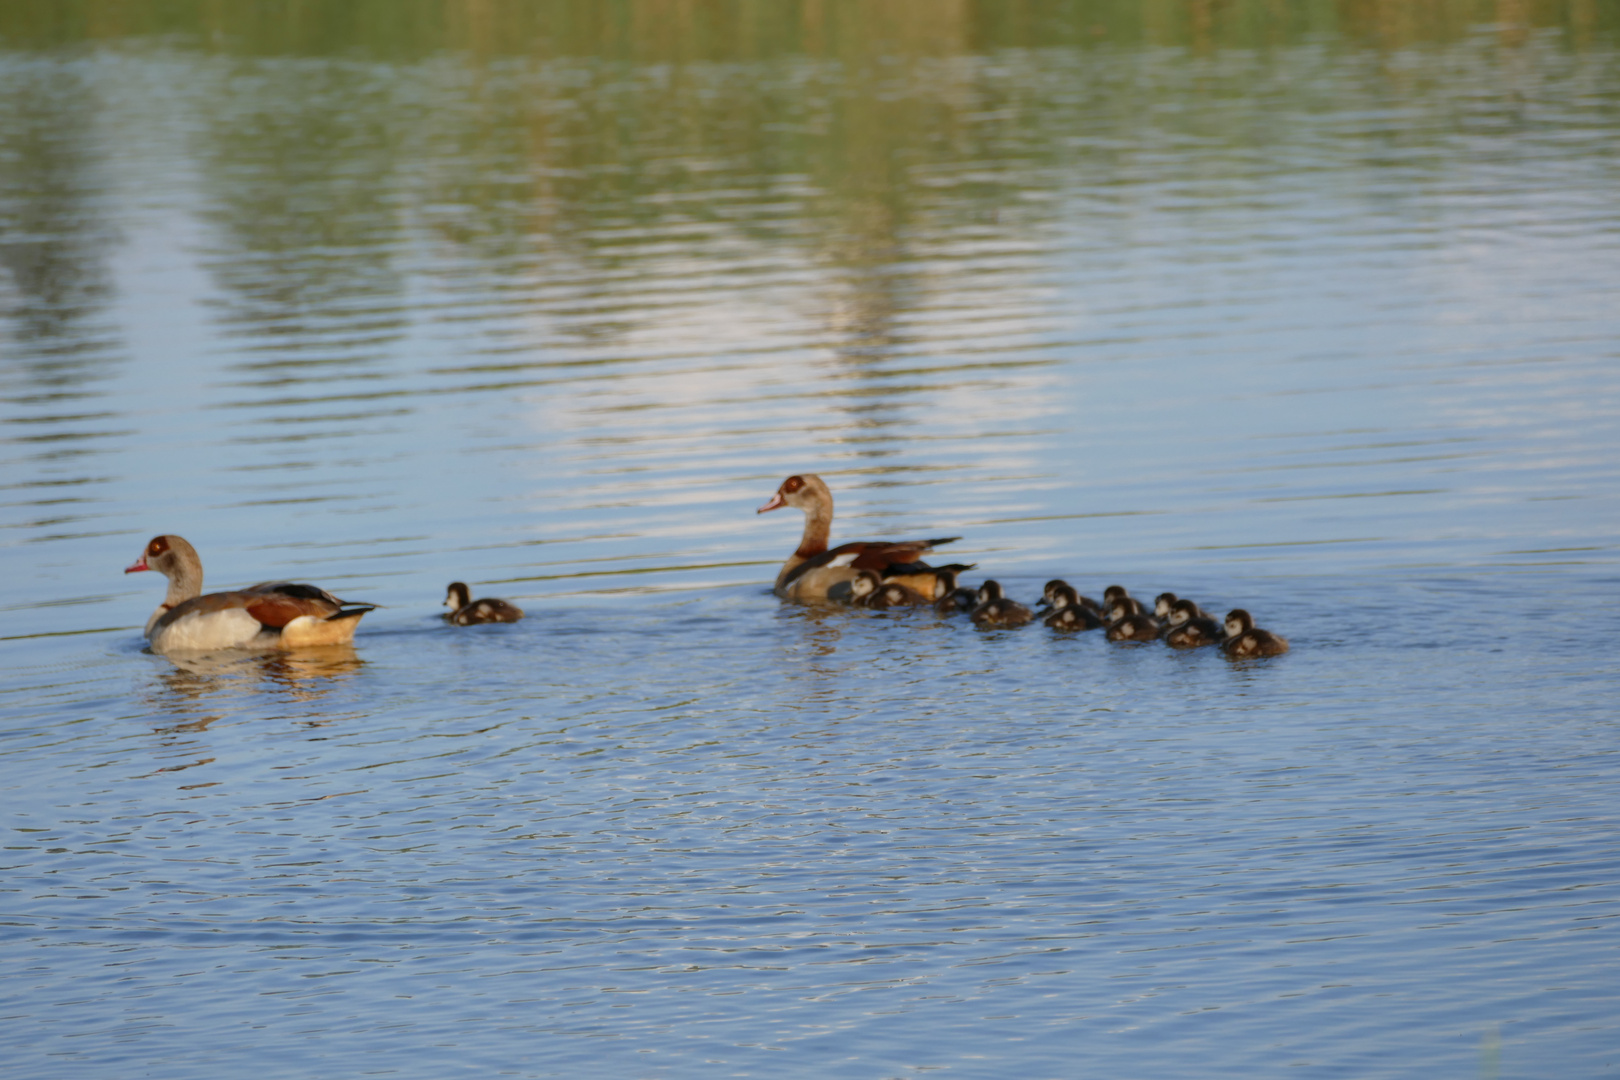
[329,142]
[730,30]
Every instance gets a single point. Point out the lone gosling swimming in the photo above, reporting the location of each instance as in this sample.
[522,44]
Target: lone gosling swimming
[465,611]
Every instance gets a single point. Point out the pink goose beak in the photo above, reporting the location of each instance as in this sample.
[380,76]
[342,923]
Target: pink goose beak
[775,502]
[138,564]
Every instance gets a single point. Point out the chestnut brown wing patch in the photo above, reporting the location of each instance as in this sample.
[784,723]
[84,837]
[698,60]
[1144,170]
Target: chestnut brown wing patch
[899,557]
[279,609]
[884,556]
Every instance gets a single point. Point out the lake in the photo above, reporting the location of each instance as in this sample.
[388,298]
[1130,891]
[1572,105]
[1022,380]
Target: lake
[1309,308]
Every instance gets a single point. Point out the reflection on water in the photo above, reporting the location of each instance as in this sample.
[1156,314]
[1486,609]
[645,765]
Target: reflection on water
[1307,308]
[55,233]
[661,31]
[304,673]
[192,692]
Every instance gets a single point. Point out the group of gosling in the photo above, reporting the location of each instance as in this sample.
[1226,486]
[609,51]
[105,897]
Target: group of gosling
[1180,623]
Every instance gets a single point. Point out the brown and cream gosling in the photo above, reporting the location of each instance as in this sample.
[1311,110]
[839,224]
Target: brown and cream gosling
[869,591]
[1189,629]
[1244,641]
[995,610]
[949,599]
[1123,606]
[1056,587]
[1069,612]
[1165,602]
[1129,623]
[465,611]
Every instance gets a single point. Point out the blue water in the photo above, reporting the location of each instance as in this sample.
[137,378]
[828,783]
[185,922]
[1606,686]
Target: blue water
[1325,331]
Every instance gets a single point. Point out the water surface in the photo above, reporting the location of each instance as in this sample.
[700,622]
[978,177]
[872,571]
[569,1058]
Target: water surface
[1309,310]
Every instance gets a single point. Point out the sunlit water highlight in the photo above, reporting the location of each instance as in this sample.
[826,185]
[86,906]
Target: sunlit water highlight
[1322,331]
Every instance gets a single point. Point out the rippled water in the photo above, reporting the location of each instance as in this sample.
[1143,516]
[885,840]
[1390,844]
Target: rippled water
[1317,317]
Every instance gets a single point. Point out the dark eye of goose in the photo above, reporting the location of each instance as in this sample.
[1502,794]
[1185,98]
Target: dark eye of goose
[792,484]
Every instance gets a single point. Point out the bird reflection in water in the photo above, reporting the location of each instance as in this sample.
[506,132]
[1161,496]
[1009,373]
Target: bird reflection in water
[302,675]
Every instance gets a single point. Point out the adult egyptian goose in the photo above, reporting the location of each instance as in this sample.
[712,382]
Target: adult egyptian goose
[271,614]
[1244,642]
[813,568]
[465,611]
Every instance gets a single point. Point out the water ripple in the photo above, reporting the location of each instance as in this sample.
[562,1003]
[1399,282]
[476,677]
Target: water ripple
[1319,324]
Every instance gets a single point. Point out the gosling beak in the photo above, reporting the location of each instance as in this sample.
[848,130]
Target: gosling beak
[775,502]
[138,564]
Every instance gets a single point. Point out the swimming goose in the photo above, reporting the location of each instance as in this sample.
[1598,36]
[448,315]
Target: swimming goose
[1244,641]
[1069,611]
[1165,603]
[465,611]
[951,598]
[1190,628]
[1128,622]
[995,610]
[869,591]
[1184,610]
[1074,617]
[1057,587]
[813,569]
[1122,606]
[271,614]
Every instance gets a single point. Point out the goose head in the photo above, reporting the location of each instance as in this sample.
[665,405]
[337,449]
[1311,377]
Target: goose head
[807,491]
[176,560]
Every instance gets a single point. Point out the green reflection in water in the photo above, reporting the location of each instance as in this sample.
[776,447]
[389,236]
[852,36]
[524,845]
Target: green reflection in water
[663,31]
[604,142]
[552,180]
